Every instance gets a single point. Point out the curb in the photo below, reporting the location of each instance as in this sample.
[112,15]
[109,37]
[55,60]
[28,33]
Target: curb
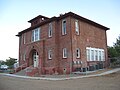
[58,79]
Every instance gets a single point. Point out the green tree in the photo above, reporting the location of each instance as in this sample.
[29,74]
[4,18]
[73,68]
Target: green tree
[10,62]
[114,51]
[117,46]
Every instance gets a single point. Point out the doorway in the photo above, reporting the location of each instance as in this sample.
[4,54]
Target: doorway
[35,58]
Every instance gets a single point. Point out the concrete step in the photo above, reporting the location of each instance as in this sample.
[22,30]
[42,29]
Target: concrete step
[21,73]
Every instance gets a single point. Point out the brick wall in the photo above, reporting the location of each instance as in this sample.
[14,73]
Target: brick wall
[90,36]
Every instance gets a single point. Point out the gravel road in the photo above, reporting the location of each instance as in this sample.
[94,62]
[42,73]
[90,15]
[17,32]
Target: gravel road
[107,82]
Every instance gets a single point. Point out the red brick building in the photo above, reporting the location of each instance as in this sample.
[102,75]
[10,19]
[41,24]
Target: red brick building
[63,44]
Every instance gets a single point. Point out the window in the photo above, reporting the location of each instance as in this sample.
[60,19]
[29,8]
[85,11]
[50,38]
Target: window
[76,27]
[96,55]
[88,55]
[78,53]
[92,55]
[74,62]
[36,34]
[50,30]
[50,54]
[64,27]
[64,53]
[99,55]
[103,56]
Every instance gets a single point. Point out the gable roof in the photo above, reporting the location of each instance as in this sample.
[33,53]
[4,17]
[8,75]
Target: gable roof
[59,18]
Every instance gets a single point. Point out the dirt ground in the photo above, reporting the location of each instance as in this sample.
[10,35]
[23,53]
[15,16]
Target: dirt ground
[107,82]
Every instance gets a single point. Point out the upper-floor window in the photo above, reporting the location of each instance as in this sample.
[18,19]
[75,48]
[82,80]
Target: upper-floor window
[64,27]
[78,53]
[36,34]
[76,27]
[49,54]
[64,53]
[50,30]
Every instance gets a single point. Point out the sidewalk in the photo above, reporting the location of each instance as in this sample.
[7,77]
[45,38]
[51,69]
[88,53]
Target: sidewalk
[63,78]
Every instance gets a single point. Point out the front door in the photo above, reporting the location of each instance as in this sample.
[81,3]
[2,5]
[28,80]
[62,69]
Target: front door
[35,59]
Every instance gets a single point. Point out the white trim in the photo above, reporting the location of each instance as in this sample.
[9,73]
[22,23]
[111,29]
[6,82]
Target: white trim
[64,28]
[78,52]
[35,34]
[100,54]
[76,27]
[50,30]
[64,53]
[50,54]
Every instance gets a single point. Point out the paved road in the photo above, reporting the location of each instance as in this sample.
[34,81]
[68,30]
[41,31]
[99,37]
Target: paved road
[107,82]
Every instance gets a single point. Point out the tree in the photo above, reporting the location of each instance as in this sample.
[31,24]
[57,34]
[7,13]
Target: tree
[10,62]
[117,46]
[114,51]
[2,62]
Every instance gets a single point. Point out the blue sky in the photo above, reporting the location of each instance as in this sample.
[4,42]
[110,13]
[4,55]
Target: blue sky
[14,15]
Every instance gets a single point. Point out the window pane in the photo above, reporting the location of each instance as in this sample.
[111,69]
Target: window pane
[103,56]
[64,53]
[50,54]
[88,55]
[99,55]
[77,27]
[78,53]
[36,34]
[96,55]
[50,30]
[32,35]
[63,27]
[92,55]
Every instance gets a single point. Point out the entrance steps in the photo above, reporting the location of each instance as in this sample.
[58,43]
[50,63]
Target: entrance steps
[21,73]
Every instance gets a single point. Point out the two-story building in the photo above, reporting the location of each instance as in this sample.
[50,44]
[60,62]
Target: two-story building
[63,44]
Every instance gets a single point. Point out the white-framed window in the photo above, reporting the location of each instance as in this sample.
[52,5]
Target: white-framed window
[100,56]
[76,27]
[95,54]
[77,53]
[103,56]
[74,62]
[88,54]
[36,34]
[92,55]
[64,27]
[64,53]
[49,54]
[50,30]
